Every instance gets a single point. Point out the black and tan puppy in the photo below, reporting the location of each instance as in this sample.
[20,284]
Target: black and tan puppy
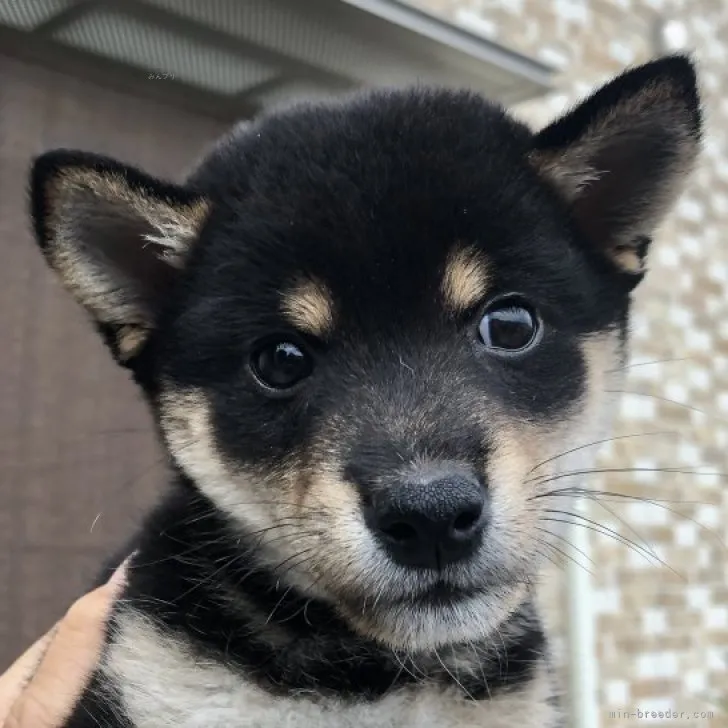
[368,332]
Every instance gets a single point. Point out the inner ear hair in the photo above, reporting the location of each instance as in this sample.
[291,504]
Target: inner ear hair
[620,159]
[116,237]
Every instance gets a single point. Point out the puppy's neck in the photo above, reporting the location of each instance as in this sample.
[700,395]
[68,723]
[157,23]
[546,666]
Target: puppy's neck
[197,577]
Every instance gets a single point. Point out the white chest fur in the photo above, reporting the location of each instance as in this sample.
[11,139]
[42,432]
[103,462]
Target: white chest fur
[164,686]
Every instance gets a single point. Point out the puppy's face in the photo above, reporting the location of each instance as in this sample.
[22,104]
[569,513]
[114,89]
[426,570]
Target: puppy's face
[371,330]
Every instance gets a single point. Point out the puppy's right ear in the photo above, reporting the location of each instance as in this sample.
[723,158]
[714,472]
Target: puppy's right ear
[620,159]
[116,237]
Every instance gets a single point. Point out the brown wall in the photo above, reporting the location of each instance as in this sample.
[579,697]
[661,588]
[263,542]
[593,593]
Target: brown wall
[77,458]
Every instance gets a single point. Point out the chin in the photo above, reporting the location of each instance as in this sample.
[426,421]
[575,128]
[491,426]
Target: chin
[440,616]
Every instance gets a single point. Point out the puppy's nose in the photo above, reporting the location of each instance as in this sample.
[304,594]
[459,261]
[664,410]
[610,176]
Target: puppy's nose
[433,523]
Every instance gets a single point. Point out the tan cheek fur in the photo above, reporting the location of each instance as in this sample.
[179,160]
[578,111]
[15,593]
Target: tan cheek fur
[185,419]
[525,455]
[605,375]
[334,503]
[186,422]
[311,518]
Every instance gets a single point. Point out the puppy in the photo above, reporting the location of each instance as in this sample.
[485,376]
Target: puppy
[371,333]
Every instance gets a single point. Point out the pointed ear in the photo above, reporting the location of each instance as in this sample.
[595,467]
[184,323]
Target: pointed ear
[116,237]
[621,158]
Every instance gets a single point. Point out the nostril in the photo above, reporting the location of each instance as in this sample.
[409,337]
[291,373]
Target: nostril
[400,532]
[467,520]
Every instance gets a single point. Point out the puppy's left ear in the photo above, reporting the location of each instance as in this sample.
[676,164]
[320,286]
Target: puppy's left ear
[620,159]
[116,237]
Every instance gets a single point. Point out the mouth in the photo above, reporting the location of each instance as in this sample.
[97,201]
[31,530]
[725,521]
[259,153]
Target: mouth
[438,594]
[443,593]
[434,614]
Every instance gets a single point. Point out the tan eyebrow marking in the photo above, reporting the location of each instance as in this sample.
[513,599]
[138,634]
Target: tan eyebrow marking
[466,279]
[308,306]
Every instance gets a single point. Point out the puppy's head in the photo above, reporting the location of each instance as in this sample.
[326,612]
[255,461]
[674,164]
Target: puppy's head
[370,329]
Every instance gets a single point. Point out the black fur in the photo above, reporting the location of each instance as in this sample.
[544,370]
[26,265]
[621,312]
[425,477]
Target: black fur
[184,546]
[98,706]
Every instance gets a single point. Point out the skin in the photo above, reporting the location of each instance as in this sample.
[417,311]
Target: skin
[40,689]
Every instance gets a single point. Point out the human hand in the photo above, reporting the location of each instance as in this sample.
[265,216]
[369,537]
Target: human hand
[41,688]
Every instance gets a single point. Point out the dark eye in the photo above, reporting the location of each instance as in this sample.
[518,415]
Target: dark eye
[281,364]
[509,326]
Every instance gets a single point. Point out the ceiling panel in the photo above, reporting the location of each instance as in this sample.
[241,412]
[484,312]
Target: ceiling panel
[244,55]
[28,15]
[163,52]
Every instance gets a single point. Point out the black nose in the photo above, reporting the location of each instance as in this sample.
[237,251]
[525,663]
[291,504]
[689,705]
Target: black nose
[433,523]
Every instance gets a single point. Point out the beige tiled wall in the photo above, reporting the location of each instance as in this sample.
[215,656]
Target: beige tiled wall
[662,630]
